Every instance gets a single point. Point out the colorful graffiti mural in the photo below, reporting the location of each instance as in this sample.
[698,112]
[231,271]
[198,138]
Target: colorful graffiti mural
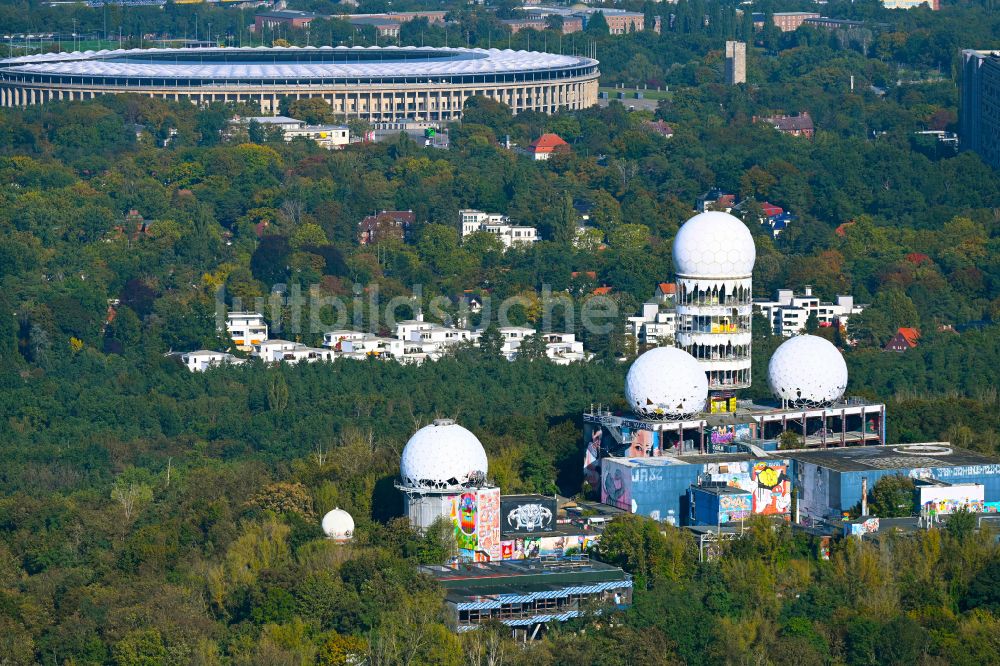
[861,527]
[463,515]
[773,491]
[554,546]
[734,508]
[643,443]
[940,500]
[476,517]
[727,434]
[489,522]
[943,507]
[767,482]
[723,435]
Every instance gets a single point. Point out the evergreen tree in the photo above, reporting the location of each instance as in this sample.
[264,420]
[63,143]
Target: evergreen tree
[812,322]
[597,24]
[491,342]
[564,225]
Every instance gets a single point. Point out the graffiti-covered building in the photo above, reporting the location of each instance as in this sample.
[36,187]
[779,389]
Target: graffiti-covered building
[830,481]
[661,488]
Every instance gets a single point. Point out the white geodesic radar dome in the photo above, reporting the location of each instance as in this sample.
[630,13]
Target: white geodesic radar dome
[714,244]
[338,525]
[807,370]
[666,383]
[443,456]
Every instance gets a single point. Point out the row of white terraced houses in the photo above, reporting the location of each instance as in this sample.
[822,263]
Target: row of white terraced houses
[415,341]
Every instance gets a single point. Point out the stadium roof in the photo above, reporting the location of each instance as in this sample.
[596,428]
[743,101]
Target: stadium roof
[285,62]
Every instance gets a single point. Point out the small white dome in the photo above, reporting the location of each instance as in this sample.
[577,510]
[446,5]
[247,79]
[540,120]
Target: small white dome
[443,456]
[714,244]
[666,382]
[338,525]
[807,370]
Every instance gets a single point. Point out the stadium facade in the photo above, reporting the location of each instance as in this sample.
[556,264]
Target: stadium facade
[375,83]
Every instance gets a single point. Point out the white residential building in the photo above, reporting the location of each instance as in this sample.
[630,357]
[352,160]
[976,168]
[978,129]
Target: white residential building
[430,340]
[564,348]
[284,351]
[354,344]
[330,137]
[247,329]
[472,221]
[327,136]
[656,323]
[203,359]
[789,313]
[513,336]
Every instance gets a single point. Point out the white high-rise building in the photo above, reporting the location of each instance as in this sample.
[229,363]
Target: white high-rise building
[714,256]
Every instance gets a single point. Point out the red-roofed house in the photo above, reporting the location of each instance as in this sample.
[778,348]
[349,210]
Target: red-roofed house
[665,291]
[797,125]
[905,339]
[589,274]
[659,127]
[602,291]
[715,199]
[543,147]
[386,224]
[770,210]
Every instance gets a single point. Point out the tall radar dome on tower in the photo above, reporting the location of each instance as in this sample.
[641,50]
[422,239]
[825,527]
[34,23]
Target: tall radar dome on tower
[666,383]
[714,244]
[714,256]
[442,456]
[807,370]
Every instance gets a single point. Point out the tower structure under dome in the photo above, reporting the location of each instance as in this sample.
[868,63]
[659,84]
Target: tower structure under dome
[714,256]
[442,474]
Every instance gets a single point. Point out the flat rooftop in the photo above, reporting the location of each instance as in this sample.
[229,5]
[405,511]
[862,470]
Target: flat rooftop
[694,459]
[722,490]
[746,412]
[510,576]
[848,403]
[893,456]
[529,498]
[570,530]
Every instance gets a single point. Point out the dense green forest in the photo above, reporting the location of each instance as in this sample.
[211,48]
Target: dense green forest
[149,515]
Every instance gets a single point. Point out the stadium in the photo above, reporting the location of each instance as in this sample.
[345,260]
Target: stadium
[375,83]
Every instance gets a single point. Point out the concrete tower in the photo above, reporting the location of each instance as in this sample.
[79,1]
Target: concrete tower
[714,256]
[736,63]
[442,474]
